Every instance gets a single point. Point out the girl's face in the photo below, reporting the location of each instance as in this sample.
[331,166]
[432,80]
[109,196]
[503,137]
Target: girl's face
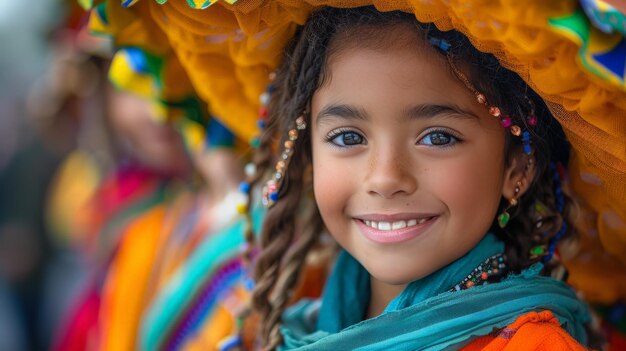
[157,146]
[408,168]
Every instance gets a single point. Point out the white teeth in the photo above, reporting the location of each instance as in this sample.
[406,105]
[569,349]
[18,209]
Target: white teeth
[395,225]
[372,224]
[384,226]
[398,225]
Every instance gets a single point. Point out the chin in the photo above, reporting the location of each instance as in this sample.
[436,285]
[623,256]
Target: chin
[393,277]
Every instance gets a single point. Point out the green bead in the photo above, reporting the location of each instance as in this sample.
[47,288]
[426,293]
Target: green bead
[503,219]
[538,250]
[255,143]
[540,208]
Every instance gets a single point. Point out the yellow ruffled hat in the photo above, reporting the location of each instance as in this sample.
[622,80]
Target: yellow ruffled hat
[143,63]
[571,53]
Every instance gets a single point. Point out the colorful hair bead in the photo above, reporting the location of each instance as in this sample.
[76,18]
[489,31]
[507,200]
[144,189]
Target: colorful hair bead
[537,251]
[249,169]
[441,44]
[526,142]
[272,187]
[516,130]
[264,99]
[494,111]
[263,112]
[244,187]
[481,99]
[506,121]
[269,193]
[560,205]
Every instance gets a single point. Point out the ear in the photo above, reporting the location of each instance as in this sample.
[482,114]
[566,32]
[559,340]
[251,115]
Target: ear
[518,174]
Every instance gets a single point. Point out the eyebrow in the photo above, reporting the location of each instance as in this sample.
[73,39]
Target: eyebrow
[433,110]
[416,112]
[343,111]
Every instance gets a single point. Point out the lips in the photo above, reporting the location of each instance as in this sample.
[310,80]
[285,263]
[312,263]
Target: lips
[385,229]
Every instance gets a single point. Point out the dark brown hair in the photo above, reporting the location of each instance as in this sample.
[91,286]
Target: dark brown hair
[304,70]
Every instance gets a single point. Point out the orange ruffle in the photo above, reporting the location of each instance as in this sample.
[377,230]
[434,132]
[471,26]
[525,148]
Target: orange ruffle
[533,331]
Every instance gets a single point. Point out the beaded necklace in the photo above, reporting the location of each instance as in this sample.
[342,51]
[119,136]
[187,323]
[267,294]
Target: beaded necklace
[491,270]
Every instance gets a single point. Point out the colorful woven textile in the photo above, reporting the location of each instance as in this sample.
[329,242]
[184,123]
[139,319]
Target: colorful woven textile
[106,220]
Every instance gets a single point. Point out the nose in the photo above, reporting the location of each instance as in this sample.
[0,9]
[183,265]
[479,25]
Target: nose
[390,173]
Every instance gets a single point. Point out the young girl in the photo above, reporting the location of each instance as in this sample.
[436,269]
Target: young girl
[437,172]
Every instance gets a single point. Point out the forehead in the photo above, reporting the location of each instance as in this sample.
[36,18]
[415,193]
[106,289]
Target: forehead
[376,37]
[401,72]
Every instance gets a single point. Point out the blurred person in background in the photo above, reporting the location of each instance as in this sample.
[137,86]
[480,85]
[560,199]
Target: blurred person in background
[151,164]
[31,148]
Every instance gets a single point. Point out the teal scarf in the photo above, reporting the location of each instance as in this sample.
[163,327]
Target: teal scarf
[426,316]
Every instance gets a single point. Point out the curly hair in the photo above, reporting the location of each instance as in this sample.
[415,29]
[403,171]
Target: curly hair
[305,68]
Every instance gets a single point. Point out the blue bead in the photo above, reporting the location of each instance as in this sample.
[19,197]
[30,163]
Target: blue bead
[261,123]
[527,149]
[440,43]
[274,196]
[244,187]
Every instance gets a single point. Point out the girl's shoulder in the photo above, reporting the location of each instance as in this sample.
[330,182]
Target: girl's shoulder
[532,331]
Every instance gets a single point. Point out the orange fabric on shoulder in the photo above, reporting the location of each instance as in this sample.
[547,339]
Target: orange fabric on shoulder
[532,331]
[126,288]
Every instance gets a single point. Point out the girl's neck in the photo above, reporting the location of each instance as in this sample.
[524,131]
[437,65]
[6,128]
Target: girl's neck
[382,294]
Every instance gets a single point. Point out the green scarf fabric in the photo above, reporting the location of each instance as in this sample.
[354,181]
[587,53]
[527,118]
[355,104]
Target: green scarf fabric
[426,316]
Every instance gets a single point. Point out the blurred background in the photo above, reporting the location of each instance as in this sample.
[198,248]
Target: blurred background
[46,102]
[81,161]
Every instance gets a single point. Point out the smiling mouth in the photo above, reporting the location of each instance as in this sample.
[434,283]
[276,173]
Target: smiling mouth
[395,225]
[394,230]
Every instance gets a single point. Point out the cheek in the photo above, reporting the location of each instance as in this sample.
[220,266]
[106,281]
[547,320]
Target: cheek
[333,185]
[470,187]
[325,175]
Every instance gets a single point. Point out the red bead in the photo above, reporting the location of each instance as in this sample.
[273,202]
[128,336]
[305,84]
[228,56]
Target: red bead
[532,120]
[263,112]
[484,276]
[469,284]
[506,121]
